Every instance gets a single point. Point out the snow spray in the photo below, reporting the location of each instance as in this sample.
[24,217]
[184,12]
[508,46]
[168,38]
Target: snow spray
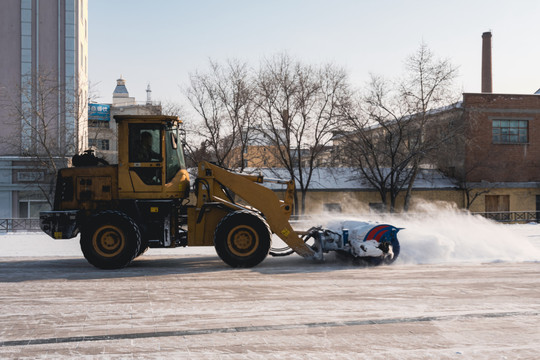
[442,233]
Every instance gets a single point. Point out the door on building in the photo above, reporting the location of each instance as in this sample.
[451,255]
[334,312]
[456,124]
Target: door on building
[499,205]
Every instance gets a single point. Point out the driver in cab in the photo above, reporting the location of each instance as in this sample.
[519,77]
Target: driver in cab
[145,152]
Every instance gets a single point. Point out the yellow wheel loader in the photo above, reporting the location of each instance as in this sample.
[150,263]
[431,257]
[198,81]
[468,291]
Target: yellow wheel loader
[143,201]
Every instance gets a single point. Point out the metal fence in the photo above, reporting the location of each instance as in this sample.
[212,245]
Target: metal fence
[13,225]
[511,216]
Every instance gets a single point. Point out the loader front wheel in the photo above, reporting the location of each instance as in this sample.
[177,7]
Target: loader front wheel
[242,239]
[110,240]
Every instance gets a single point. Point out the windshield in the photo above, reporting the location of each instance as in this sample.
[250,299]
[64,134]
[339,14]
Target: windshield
[175,155]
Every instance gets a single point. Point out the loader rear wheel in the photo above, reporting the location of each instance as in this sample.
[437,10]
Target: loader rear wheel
[143,248]
[242,239]
[110,240]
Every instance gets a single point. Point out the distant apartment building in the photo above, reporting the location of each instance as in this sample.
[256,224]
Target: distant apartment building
[43,97]
[102,136]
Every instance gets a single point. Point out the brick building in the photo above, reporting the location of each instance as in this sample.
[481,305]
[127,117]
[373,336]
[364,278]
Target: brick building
[501,145]
[503,133]
[502,150]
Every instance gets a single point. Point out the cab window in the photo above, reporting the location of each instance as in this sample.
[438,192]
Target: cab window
[145,149]
[175,156]
[144,143]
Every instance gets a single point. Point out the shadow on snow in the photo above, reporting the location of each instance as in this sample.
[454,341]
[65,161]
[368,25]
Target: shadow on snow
[31,269]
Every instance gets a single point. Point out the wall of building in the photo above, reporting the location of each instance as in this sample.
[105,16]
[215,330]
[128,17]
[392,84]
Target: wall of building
[488,161]
[10,43]
[354,201]
[358,201]
[521,198]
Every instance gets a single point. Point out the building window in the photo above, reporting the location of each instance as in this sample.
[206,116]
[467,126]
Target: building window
[30,203]
[29,209]
[100,144]
[27,88]
[510,131]
[98,123]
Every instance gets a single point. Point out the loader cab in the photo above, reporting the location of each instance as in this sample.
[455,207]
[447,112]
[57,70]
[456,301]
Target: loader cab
[150,158]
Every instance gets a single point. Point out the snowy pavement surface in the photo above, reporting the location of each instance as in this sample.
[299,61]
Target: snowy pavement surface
[461,289]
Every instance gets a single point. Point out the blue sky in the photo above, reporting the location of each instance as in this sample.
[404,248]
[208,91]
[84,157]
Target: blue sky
[160,42]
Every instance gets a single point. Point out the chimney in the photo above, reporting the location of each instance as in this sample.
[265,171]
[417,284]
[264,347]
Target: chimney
[487,81]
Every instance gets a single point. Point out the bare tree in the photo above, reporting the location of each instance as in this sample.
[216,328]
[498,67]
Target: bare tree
[452,163]
[48,116]
[299,107]
[396,128]
[223,99]
[377,141]
[472,191]
[427,88]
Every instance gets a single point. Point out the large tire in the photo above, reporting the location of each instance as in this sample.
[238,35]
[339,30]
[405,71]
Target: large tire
[110,240]
[142,250]
[144,246]
[242,239]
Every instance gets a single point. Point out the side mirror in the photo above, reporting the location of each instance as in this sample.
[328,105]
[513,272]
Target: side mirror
[182,134]
[174,141]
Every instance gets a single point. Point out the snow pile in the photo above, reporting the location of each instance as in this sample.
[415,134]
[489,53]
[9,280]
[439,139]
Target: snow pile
[445,234]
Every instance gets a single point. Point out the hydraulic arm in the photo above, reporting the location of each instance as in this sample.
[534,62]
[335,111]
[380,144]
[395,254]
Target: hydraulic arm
[214,182]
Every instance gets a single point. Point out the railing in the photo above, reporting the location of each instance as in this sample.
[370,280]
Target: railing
[511,216]
[12,225]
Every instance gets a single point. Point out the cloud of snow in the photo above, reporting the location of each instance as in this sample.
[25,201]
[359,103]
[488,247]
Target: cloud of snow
[442,233]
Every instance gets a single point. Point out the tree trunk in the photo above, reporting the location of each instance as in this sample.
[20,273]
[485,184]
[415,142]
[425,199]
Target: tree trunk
[296,211]
[384,199]
[409,189]
[304,201]
[468,196]
[392,204]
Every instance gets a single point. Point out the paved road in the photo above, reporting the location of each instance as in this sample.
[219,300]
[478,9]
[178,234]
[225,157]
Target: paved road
[194,307]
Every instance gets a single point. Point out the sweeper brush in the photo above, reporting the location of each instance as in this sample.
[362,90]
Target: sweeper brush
[371,242]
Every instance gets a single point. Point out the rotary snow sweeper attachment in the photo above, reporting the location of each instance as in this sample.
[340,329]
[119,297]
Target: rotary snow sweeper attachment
[370,242]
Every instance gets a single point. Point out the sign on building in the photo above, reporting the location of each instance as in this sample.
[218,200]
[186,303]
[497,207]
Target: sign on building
[100,112]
